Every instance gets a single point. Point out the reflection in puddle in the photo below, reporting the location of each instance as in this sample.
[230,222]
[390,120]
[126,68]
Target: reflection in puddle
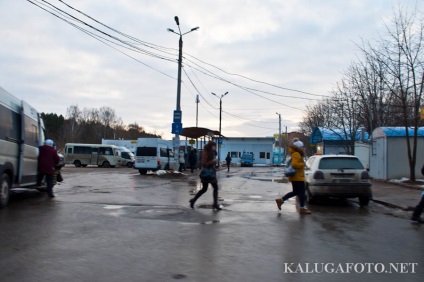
[113,207]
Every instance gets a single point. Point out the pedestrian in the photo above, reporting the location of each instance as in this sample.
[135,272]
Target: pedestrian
[416,215]
[208,161]
[181,160]
[228,160]
[192,159]
[297,180]
[47,160]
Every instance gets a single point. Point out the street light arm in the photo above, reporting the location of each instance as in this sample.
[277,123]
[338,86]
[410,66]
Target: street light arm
[193,29]
[171,30]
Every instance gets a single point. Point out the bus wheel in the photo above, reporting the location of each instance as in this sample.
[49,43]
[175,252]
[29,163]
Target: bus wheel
[77,163]
[106,164]
[4,190]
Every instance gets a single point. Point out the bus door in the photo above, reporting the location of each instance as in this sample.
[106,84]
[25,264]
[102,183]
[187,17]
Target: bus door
[94,156]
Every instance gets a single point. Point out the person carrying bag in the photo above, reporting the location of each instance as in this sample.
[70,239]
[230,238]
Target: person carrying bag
[208,174]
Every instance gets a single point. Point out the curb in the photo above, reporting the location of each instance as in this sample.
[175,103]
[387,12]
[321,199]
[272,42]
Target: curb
[392,205]
[405,185]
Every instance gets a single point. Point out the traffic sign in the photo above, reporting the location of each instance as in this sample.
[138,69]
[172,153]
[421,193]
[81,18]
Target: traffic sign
[177,116]
[177,128]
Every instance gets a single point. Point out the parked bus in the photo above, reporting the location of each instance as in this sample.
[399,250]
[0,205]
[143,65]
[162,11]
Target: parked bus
[21,133]
[82,155]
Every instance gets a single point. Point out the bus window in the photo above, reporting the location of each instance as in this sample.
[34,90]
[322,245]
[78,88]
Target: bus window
[108,151]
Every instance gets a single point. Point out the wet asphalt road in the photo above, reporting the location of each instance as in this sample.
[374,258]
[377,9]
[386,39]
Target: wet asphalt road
[117,225]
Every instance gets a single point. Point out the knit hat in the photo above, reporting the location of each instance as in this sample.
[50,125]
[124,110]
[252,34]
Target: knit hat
[298,143]
[49,142]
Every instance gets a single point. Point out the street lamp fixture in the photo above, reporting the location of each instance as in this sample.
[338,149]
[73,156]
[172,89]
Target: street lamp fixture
[220,115]
[177,124]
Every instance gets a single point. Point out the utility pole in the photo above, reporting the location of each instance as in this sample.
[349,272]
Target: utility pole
[220,135]
[279,138]
[177,126]
[286,149]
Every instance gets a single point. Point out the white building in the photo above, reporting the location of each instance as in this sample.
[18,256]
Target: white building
[389,157]
[261,147]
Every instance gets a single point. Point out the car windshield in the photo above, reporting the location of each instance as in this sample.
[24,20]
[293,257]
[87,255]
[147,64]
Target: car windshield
[340,163]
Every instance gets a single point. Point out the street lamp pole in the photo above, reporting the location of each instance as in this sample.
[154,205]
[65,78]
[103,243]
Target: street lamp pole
[197,109]
[279,139]
[177,124]
[220,115]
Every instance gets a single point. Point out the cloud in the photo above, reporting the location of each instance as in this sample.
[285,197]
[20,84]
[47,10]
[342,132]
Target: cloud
[303,45]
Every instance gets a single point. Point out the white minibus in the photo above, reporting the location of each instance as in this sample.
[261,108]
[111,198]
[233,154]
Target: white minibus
[81,155]
[21,133]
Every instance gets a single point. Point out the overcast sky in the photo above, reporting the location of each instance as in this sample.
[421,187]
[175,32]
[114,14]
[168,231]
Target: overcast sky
[259,51]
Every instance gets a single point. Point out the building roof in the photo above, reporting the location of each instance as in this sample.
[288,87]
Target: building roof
[398,131]
[196,132]
[320,134]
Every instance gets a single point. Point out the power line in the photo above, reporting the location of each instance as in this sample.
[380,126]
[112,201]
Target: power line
[145,52]
[258,81]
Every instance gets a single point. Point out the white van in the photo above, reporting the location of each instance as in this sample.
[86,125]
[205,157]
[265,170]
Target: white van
[21,133]
[127,157]
[154,154]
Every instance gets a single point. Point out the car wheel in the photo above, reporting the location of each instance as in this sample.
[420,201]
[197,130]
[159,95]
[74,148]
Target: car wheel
[77,163]
[4,190]
[363,201]
[142,171]
[106,164]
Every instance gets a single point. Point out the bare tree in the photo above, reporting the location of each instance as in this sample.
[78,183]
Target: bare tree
[401,55]
[316,115]
[107,118]
[73,115]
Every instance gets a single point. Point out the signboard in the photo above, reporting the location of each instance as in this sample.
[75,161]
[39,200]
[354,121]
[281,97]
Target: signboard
[177,128]
[219,141]
[191,141]
[177,116]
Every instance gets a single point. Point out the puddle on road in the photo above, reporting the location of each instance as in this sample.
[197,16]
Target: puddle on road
[162,213]
[113,207]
